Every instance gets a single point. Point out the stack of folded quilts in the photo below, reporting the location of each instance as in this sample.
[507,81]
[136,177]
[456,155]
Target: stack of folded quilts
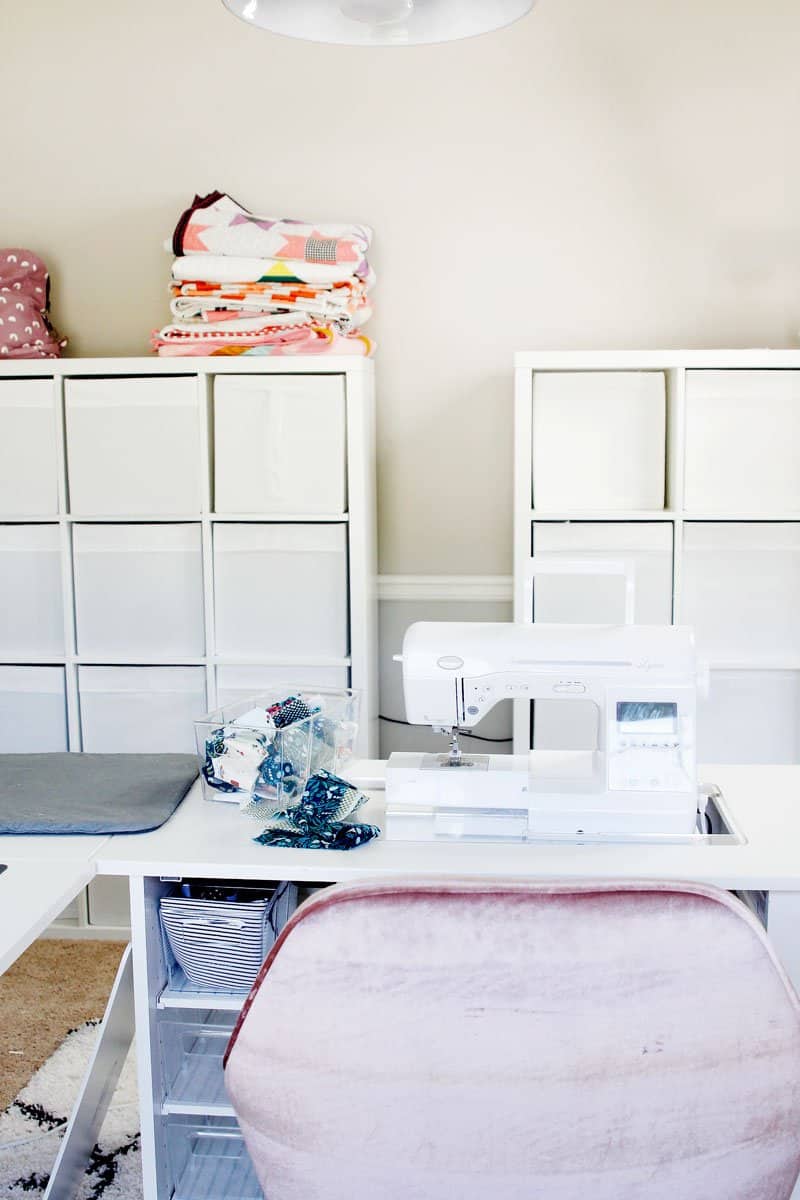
[243,284]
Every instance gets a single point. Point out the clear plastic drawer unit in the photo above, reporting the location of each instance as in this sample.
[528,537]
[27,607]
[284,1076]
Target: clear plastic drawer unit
[208,1160]
[192,1046]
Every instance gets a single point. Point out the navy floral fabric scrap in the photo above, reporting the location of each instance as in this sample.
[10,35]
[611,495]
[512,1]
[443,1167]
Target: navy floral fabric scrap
[318,820]
[288,711]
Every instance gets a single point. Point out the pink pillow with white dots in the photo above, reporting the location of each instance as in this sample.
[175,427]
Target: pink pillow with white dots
[25,329]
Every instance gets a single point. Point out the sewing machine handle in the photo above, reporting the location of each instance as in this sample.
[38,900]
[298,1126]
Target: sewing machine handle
[581,566]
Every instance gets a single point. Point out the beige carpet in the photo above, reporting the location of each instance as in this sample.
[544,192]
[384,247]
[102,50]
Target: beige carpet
[53,987]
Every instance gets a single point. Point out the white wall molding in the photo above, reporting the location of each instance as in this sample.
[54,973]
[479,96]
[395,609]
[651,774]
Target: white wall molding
[463,588]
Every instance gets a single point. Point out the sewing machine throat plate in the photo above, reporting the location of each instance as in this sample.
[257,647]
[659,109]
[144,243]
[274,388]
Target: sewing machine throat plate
[440,762]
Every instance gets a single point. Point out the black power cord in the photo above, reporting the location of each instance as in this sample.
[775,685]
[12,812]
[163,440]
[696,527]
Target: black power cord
[475,736]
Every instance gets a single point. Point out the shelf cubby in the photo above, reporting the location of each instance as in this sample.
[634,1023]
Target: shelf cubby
[727,559]
[119,481]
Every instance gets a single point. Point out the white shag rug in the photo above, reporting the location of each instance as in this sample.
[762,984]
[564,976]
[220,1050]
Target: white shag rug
[33,1124]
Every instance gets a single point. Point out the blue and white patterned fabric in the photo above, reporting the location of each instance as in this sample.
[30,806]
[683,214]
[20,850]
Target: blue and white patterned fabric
[317,821]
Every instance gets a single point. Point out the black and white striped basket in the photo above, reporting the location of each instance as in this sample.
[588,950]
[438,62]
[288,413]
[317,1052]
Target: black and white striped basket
[221,944]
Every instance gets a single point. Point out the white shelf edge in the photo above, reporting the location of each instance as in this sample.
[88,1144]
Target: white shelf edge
[112,367]
[32,518]
[764,517]
[663,514]
[213,1001]
[34,660]
[746,358]
[230,660]
[195,518]
[620,514]
[180,1108]
[280,518]
[221,660]
[116,660]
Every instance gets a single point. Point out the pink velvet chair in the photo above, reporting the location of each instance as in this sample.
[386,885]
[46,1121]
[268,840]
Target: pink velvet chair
[493,1040]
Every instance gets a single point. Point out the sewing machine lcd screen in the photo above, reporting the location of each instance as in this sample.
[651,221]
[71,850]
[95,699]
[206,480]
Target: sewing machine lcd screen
[647,716]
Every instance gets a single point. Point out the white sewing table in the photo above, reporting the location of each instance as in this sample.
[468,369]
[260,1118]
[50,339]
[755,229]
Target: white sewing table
[214,840]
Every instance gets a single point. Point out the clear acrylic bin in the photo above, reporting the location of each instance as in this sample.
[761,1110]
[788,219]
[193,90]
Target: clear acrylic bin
[245,754]
[192,1047]
[219,944]
[208,1160]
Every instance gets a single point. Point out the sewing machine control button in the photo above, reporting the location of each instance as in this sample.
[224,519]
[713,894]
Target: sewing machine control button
[473,710]
[450,662]
[571,689]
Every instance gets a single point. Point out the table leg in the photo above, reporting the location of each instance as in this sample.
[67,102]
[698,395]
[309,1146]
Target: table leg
[102,1074]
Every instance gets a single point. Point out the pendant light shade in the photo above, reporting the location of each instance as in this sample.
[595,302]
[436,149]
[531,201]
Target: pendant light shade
[379,22]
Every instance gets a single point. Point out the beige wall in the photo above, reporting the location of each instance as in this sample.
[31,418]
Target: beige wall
[620,173]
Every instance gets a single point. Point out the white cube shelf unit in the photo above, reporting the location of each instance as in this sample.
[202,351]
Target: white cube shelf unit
[686,463]
[174,534]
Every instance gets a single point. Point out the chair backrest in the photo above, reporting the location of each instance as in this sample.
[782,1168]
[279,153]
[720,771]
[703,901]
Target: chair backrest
[493,1040]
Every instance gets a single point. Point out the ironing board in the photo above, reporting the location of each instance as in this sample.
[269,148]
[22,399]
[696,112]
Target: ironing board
[91,793]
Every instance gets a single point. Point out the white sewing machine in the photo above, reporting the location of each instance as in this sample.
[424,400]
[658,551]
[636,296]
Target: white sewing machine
[641,778]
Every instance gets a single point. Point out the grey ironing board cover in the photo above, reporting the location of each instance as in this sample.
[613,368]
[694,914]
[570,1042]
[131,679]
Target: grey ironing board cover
[91,793]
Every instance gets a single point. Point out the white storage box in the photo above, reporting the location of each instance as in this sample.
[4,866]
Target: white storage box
[238,683]
[139,590]
[28,457]
[140,710]
[33,710]
[742,441]
[750,717]
[208,1160]
[109,902]
[598,599]
[599,440]
[279,444]
[220,944]
[741,591]
[31,612]
[133,446]
[281,590]
[192,1047]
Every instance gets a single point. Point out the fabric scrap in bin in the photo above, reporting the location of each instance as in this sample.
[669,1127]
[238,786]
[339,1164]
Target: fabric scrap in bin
[288,711]
[234,758]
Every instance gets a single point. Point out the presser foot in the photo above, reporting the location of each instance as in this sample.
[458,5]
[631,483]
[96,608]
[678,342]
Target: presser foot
[455,757]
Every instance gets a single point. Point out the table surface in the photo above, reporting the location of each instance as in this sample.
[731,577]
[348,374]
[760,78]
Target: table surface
[206,838]
[30,898]
[51,848]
